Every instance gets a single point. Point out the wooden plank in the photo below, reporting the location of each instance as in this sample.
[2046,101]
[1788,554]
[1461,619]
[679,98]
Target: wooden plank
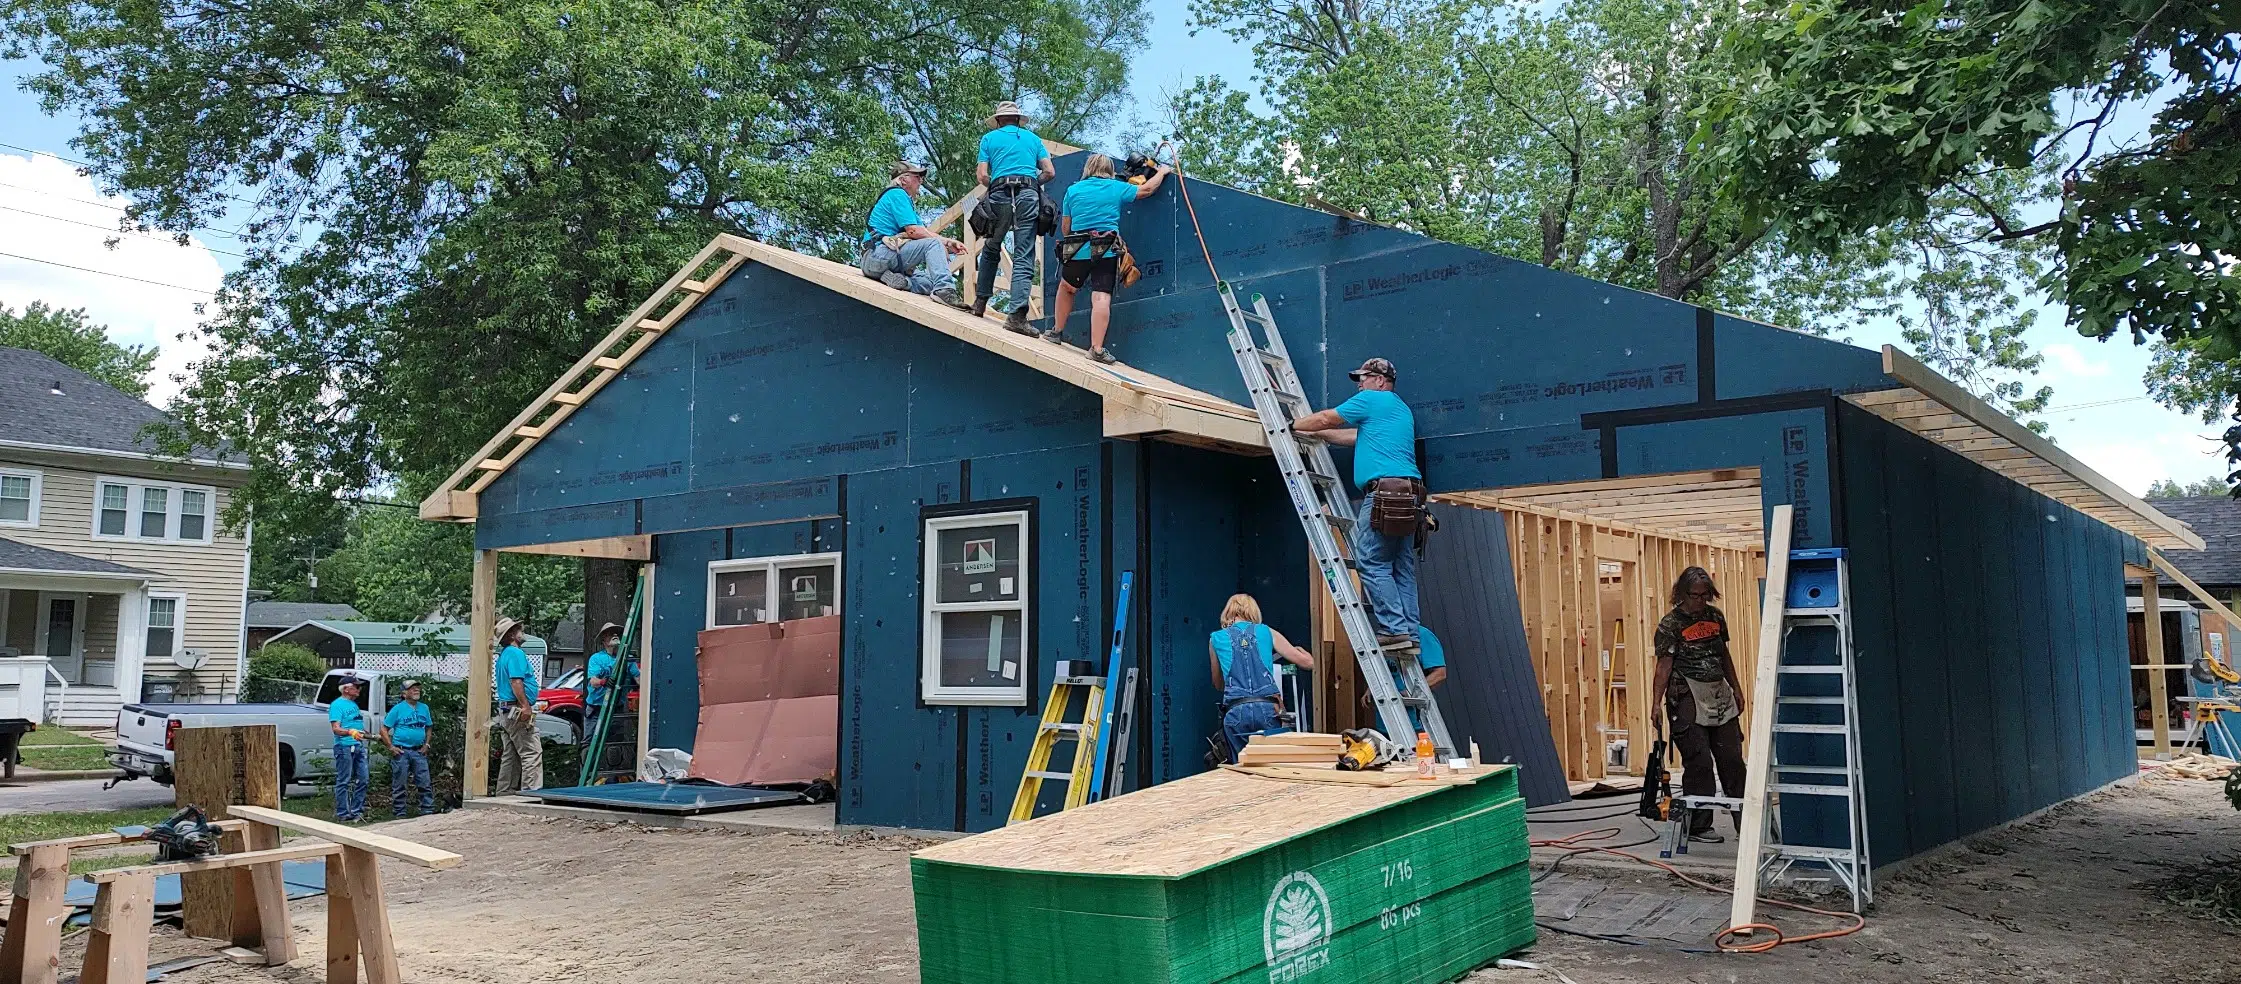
[32,953]
[377,951]
[218,769]
[638,547]
[222,862]
[482,617]
[1759,741]
[354,837]
[1905,369]
[342,925]
[268,894]
[117,948]
[2159,687]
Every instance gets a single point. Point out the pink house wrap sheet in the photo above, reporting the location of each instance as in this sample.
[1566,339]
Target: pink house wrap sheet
[769,702]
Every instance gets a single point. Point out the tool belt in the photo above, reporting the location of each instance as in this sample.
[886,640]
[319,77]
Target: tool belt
[1101,245]
[1396,506]
[1012,182]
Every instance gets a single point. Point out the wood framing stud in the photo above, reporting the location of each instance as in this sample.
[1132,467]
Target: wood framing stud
[1759,744]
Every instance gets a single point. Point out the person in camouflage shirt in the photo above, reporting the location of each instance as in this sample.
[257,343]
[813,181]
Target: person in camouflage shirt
[1703,697]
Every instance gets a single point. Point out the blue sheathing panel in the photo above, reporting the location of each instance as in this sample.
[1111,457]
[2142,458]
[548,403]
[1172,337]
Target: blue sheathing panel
[900,762]
[1753,359]
[586,522]
[1068,615]
[1790,449]
[710,425]
[680,613]
[1990,641]
[1524,456]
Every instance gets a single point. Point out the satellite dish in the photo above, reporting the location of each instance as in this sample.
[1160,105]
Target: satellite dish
[190,659]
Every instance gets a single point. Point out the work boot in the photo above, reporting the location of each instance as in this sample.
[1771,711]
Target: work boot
[948,296]
[1054,336]
[1400,642]
[1705,836]
[1102,356]
[895,280]
[980,306]
[1017,322]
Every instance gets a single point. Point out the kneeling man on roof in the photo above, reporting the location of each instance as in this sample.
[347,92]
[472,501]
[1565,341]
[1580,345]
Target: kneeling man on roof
[898,249]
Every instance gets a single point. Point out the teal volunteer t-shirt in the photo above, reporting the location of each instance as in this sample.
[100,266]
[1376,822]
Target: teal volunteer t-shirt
[890,215]
[407,722]
[513,664]
[1012,152]
[344,712]
[1385,442]
[1094,204]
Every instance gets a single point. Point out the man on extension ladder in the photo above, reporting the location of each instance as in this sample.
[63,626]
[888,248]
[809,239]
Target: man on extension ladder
[1382,431]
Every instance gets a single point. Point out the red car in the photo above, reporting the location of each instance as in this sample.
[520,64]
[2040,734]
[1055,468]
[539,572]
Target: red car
[564,699]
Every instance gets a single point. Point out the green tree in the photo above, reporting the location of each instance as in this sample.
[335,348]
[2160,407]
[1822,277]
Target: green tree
[1566,136]
[453,200]
[73,340]
[2167,488]
[1860,116]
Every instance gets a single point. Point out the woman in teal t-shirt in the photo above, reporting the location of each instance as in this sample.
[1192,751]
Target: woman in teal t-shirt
[1249,696]
[1090,247]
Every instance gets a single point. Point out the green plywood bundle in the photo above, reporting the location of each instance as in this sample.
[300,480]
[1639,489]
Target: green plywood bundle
[1228,877]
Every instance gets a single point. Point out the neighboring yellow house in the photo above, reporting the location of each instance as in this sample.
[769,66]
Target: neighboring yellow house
[113,565]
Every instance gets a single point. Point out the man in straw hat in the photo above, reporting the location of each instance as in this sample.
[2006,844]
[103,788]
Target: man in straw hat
[1014,164]
[604,674]
[522,763]
[897,248]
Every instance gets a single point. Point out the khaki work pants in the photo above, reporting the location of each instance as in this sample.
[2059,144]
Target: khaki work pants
[521,762]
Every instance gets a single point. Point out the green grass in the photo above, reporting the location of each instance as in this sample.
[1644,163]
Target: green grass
[19,828]
[58,736]
[60,749]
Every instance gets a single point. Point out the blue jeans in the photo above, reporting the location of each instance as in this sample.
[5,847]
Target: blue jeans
[924,261]
[1388,566]
[410,763]
[350,781]
[1024,207]
[1242,722]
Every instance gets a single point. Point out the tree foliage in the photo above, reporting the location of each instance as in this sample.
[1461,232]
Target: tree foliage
[2171,488]
[392,567]
[1859,116]
[1568,136]
[451,200]
[71,339]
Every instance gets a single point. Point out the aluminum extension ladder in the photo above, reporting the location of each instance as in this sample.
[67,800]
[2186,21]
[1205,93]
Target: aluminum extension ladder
[1824,703]
[1320,501]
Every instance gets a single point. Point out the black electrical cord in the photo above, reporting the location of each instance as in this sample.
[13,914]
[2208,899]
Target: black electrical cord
[1628,940]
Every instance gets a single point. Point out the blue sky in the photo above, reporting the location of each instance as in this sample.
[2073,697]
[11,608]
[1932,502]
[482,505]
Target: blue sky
[2100,412]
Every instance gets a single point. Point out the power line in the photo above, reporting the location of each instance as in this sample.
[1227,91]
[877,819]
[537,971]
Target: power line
[107,205]
[2097,403]
[121,232]
[105,273]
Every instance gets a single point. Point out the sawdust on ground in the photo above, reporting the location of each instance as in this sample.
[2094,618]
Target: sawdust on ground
[2065,897]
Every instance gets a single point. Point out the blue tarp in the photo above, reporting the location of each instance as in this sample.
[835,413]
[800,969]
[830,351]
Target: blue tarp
[663,797]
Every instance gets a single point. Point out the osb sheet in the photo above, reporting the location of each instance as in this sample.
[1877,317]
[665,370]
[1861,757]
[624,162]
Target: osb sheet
[1171,830]
[769,702]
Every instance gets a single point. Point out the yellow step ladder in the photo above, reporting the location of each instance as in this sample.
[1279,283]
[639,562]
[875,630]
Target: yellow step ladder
[1054,729]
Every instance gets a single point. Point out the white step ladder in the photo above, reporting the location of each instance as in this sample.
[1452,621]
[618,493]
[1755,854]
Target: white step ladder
[1324,512]
[1819,595]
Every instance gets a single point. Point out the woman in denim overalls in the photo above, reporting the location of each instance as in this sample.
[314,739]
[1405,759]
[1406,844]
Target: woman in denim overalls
[1248,684]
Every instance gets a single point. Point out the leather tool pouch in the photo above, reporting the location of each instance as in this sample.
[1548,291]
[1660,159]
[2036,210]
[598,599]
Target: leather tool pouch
[1396,506]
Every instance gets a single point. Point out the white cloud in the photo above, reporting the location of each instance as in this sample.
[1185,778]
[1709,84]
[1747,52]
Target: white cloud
[2136,464]
[47,212]
[2068,362]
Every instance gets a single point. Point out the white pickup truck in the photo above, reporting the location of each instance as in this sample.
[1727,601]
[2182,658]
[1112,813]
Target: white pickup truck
[145,732]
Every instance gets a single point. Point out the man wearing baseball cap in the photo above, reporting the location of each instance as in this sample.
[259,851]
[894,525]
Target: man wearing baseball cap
[1382,431]
[898,250]
[1013,166]
[348,721]
[405,730]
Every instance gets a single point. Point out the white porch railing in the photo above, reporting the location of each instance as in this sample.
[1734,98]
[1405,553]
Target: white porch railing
[55,701]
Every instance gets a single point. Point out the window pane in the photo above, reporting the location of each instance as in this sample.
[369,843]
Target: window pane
[163,612]
[742,597]
[193,514]
[113,510]
[806,591]
[160,642]
[155,507]
[15,498]
[980,649]
[977,563]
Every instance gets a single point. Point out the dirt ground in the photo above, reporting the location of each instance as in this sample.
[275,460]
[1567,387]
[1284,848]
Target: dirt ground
[2063,898]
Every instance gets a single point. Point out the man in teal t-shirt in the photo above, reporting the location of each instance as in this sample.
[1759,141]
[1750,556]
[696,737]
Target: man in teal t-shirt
[405,730]
[1382,431]
[898,250]
[348,723]
[1013,166]
[1090,247]
[521,764]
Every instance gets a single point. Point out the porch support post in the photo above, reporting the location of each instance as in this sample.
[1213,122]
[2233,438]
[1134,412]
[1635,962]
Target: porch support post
[132,640]
[481,655]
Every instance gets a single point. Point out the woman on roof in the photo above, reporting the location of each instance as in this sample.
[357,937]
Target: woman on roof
[1090,250]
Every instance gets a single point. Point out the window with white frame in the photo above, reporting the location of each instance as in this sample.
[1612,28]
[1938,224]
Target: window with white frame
[166,619]
[755,590]
[19,497]
[130,508]
[976,591]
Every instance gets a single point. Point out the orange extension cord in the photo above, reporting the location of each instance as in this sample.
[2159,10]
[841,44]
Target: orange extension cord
[1580,841]
[1584,842]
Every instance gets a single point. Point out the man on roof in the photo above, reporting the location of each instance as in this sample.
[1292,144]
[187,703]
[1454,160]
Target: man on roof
[1013,166]
[898,249]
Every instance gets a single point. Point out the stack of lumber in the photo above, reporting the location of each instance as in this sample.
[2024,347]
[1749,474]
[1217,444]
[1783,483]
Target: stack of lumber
[1298,748]
[2195,766]
[1235,877]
